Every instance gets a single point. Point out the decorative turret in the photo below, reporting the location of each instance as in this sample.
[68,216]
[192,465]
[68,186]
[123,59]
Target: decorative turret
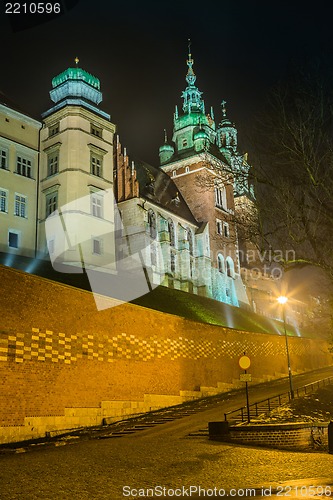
[166,151]
[200,140]
[76,86]
[226,132]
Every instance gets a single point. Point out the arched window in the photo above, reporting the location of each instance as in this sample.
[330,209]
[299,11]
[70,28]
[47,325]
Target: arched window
[190,240]
[230,267]
[220,263]
[171,230]
[152,223]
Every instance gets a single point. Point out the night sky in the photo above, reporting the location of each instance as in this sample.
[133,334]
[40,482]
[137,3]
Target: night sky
[139,51]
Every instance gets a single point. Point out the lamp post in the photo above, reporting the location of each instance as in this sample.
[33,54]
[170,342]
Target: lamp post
[283,300]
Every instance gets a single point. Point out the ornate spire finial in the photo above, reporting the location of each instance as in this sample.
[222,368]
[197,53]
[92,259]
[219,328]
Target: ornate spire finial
[77,60]
[165,136]
[224,109]
[190,77]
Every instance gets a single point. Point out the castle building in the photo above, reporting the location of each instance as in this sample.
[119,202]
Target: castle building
[187,206]
[178,219]
[19,167]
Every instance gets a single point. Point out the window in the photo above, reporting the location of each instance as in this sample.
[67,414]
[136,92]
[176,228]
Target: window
[172,262]
[171,230]
[52,163]
[220,263]
[230,267]
[174,173]
[96,205]
[96,165]
[3,159]
[3,200]
[220,195]
[219,226]
[97,246]
[13,239]
[20,209]
[23,167]
[184,142]
[152,223]
[54,129]
[51,203]
[97,131]
[187,169]
[226,230]
[190,240]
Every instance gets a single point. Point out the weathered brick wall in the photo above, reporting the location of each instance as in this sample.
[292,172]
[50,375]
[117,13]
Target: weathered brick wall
[58,352]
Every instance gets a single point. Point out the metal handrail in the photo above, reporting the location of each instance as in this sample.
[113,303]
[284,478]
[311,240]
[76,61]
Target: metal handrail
[242,409]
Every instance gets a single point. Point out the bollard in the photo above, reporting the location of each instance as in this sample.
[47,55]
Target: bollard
[330,437]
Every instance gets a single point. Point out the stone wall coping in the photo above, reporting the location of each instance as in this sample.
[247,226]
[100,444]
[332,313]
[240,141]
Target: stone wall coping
[278,427]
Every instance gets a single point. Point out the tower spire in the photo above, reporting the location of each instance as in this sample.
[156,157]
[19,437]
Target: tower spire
[190,77]
[224,109]
[192,95]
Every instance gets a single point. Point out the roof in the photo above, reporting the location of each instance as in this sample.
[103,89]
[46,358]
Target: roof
[76,74]
[157,187]
[189,152]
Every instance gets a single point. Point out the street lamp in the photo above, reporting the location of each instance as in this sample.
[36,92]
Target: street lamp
[283,300]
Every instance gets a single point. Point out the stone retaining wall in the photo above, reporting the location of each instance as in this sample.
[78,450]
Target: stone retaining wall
[288,436]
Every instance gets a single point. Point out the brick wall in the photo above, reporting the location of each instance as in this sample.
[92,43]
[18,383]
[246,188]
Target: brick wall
[290,436]
[59,354]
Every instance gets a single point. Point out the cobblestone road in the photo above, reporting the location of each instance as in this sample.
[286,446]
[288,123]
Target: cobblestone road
[163,456]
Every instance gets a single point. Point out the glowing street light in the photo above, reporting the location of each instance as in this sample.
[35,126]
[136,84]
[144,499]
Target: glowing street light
[283,300]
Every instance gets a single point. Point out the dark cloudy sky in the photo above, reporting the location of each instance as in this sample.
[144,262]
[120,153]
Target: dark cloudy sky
[139,49]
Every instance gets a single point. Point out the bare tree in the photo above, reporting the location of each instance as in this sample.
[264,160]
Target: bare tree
[293,169]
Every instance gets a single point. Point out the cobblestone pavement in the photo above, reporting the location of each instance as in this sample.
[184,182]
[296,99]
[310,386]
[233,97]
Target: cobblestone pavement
[164,456]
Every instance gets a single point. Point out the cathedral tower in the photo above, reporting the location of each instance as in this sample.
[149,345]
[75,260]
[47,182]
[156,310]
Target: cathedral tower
[202,169]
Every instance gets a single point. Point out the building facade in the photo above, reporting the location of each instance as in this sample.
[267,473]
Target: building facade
[179,217]
[19,168]
[76,174]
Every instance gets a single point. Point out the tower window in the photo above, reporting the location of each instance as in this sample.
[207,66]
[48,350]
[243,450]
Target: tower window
[184,143]
[220,196]
[219,226]
[96,165]
[23,166]
[96,205]
[220,263]
[20,209]
[52,163]
[226,230]
[51,203]
[230,267]
[53,130]
[97,131]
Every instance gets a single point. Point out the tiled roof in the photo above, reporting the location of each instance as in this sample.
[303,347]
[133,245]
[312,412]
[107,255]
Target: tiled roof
[157,187]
